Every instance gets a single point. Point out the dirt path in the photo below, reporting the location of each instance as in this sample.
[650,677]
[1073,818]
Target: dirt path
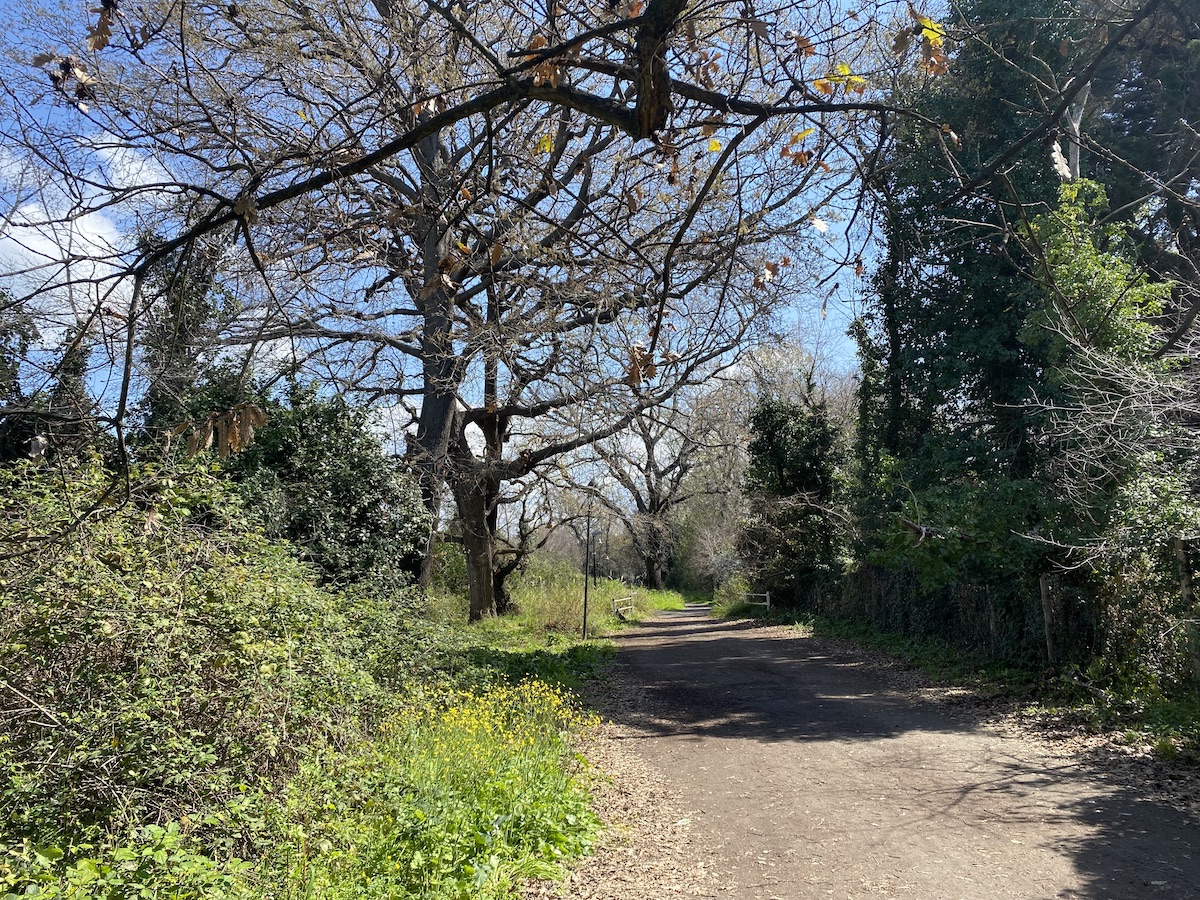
[802,771]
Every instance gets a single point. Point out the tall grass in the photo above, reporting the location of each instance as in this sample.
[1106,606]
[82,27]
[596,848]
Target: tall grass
[549,598]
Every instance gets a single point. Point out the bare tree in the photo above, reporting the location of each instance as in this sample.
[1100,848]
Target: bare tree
[450,207]
[649,467]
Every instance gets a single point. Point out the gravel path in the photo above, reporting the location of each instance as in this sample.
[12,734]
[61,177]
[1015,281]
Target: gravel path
[752,762]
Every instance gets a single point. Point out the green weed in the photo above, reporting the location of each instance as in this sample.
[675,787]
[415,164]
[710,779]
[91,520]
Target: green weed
[460,795]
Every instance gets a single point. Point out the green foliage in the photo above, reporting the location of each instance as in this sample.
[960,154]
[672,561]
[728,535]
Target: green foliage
[1098,299]
[449,570]
[157,861]
[168,659]
[459,797]
[1145,654]
[792,451]
[982,532]
[729,599]
[318,477]
[185,306]
[1011,417]
[188,715]
[790,539]
[17,334]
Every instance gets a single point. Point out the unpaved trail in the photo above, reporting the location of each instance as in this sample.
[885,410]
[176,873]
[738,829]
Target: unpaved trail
[806,773]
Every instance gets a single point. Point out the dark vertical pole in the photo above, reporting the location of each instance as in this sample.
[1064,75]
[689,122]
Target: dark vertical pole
[1048,611]
[587,561]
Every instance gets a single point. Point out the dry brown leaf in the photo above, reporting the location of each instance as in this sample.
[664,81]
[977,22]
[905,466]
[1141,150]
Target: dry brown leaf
[633,375]
[247,208]
[245,429]
[98,36]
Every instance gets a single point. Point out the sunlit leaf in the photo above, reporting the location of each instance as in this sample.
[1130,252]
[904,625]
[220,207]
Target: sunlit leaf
[930,30]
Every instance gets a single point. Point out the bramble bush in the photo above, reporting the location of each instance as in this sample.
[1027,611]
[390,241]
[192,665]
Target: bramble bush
[163,657]
[185,712]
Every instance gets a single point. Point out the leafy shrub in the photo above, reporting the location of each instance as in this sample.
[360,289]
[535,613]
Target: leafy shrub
[185,713]
[730,596]
[157,861]
[790,539]
[319,477]
[449,570]
[163,660]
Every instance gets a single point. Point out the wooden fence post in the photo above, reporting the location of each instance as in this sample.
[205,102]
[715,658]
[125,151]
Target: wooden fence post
[1049,613]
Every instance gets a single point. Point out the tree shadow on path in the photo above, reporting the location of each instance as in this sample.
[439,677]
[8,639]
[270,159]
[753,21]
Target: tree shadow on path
[781,732]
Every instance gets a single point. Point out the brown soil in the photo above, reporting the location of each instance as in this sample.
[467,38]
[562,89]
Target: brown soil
[751,761]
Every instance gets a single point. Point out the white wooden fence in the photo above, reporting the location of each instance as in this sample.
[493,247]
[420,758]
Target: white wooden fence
[765,601]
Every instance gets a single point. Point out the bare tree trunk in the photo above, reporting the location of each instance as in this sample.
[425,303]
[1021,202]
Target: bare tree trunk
[654,573]
[479,545]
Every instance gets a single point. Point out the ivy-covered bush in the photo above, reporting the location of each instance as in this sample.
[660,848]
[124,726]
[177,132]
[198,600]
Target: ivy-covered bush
[791,542]
[319,477]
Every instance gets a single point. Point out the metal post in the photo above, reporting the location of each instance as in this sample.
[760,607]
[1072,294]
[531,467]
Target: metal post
[587,559]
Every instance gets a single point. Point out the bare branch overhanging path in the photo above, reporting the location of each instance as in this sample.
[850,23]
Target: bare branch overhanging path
[810,773]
